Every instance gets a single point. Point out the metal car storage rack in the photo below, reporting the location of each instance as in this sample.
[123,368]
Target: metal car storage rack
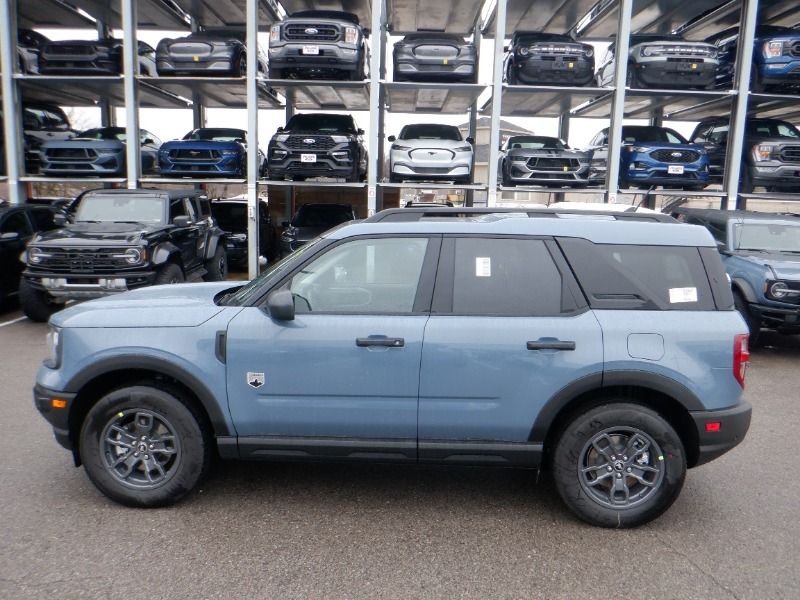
[587,20]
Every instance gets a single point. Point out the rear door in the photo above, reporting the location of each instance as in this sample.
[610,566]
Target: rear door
[509,328]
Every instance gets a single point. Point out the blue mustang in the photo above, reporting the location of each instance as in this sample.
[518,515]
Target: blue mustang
[208,151]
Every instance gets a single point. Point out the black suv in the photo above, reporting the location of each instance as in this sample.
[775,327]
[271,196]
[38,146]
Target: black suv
[17,226]
[318,145]
[120,240]
[535,58]
[770,158]
[231,215]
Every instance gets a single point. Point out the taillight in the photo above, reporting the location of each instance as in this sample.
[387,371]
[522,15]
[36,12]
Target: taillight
[741,357]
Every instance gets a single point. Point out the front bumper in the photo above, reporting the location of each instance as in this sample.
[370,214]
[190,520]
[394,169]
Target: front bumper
[522,172]
[433,163]
[284,161]
[109,164]
[57,417]
[427,68]
[289,55]
[225,166]
[678,73]
[554,69]
[733,425]
[776,174]
[95,285]
[780,73]
[774,317]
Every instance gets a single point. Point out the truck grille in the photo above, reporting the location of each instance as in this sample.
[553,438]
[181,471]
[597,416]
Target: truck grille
[194,155]
[553,164]
[70,154]
[297,142]
[306,32]
[790,154]
[83,260]
[675,156]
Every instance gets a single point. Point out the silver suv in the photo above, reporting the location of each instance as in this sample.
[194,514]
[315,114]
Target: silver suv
[430,151]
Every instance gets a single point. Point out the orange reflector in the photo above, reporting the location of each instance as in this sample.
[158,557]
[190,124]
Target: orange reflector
[715,426]
[56,403]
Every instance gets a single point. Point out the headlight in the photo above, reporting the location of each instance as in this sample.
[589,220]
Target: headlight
[773,49]
[400,147]
[647,51]
[53,360]
[350,35]
[466,148]
[281,137]
[340,155]
[762,152]
[132,256]
[37,255]
[589,52]
[779,290]
[523,51]
[275,33]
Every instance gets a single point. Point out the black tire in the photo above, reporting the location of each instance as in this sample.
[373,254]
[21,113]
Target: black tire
[217,265]
[506,179]
[394,178]
[587,460]
[756,84]
[169,273]
[354,176]
[134,423]
[240,69]
[753,322]
[746,185]
[511,77]
[631,79]
[357,75]
[37,305]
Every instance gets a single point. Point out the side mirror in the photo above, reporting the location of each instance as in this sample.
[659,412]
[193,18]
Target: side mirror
[505,48]
[285,223]
[360,132]
[9,236]
[470,140]
[182,221]
[366,31]
[280,129]
[722,247]
[281,305]
[60,219]
[149,141]
[392,138]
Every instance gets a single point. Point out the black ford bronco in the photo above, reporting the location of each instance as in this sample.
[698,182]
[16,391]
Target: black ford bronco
[117,240]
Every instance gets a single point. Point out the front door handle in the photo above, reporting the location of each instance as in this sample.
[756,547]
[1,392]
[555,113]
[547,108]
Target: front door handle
[385,342]
[550,345]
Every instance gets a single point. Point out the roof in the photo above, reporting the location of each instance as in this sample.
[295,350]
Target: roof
[148,192]
[723,216]
[505,126]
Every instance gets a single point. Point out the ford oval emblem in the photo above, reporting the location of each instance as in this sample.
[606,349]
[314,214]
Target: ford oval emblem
[312,30]
[677,154]
[309,141]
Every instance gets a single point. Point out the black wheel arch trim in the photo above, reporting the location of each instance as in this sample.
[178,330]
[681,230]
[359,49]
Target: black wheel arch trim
[609,379]
[743,286]
[164,252]
[149,363]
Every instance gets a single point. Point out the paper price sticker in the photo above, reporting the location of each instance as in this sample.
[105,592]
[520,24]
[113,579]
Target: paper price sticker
[680,295]
[483,266]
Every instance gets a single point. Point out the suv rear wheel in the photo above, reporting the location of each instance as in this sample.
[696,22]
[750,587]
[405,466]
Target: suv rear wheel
[217,265]
[619,465]
[169,273]
[143,446]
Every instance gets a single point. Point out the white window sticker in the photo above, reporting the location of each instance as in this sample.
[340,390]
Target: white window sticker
[678,295]
[483,266]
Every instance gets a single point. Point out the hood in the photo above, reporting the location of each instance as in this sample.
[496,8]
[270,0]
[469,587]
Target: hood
[97,234]
[548,152]
[666,146]
[179,305]
[776,141]
[679,45]
[435,144]
[106,43]
[785,266]
[201,145]
[78,142]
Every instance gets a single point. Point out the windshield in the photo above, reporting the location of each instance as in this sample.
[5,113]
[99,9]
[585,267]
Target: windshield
[103,134]
[769,237]
[321,123]
[118,208]
[326,216]
[772,129]
[248,292]
[544,37]
[651,134]
[231,217]
[430,132]
[217,135]
[219,33]
[536,143]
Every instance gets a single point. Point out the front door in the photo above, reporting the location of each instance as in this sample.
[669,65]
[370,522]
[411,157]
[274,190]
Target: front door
[347,367]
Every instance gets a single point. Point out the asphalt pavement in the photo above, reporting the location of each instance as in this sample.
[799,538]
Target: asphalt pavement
[269,530]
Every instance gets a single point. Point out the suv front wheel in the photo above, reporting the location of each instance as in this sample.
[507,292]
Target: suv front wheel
[619,465]
[37,305]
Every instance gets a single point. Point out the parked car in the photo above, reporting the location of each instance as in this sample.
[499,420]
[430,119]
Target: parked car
[605,348]
[231,216]
[761,254]
[41,122]
[435,57]
[92,57]
[208,52]
[663,61]
[310,221]
[18,224]
[29,45]
[548,58]
[97,152]
[209,151]
[770,158]
[651,156]
[776,58]
[318,44]
[121,240]
[318,145]
[541,160]
[430,152]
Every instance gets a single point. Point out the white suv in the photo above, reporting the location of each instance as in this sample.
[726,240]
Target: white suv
[428,152]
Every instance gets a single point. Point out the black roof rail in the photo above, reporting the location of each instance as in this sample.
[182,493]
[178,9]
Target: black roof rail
[413,213]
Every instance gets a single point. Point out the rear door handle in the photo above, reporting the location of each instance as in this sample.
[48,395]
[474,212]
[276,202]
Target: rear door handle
[385,342]
[551,345]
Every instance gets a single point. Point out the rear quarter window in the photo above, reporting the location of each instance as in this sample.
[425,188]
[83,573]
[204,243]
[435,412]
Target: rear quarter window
[619,276]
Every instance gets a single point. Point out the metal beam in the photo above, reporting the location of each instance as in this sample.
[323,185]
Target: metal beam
[130,65]
[375,138]
[381,120]
[618,101]
[469,200]
[252,139]
[497,100]
[744,60]
[12,115]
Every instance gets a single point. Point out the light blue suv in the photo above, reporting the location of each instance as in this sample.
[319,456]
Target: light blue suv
[604,347]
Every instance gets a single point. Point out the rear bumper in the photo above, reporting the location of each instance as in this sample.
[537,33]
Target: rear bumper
[676,74]
[188,66]
[420,69]
[733,425]
[555,70]
[57,417]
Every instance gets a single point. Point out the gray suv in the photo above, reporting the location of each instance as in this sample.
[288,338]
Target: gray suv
[604,347]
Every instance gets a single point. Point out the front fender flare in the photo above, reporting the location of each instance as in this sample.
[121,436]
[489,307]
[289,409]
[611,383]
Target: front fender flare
[163,252]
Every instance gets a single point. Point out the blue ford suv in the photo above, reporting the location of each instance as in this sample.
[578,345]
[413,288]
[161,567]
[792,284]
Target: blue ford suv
[604,347]
[651,156]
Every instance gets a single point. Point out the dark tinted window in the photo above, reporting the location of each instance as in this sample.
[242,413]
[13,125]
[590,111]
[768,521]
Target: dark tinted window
[43,219]
[231,217]
[633,133]
[530,142]
[217,135]
[320,215]
[639,277]
[321,123]
[430,132]
[508,277]
[16,222]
